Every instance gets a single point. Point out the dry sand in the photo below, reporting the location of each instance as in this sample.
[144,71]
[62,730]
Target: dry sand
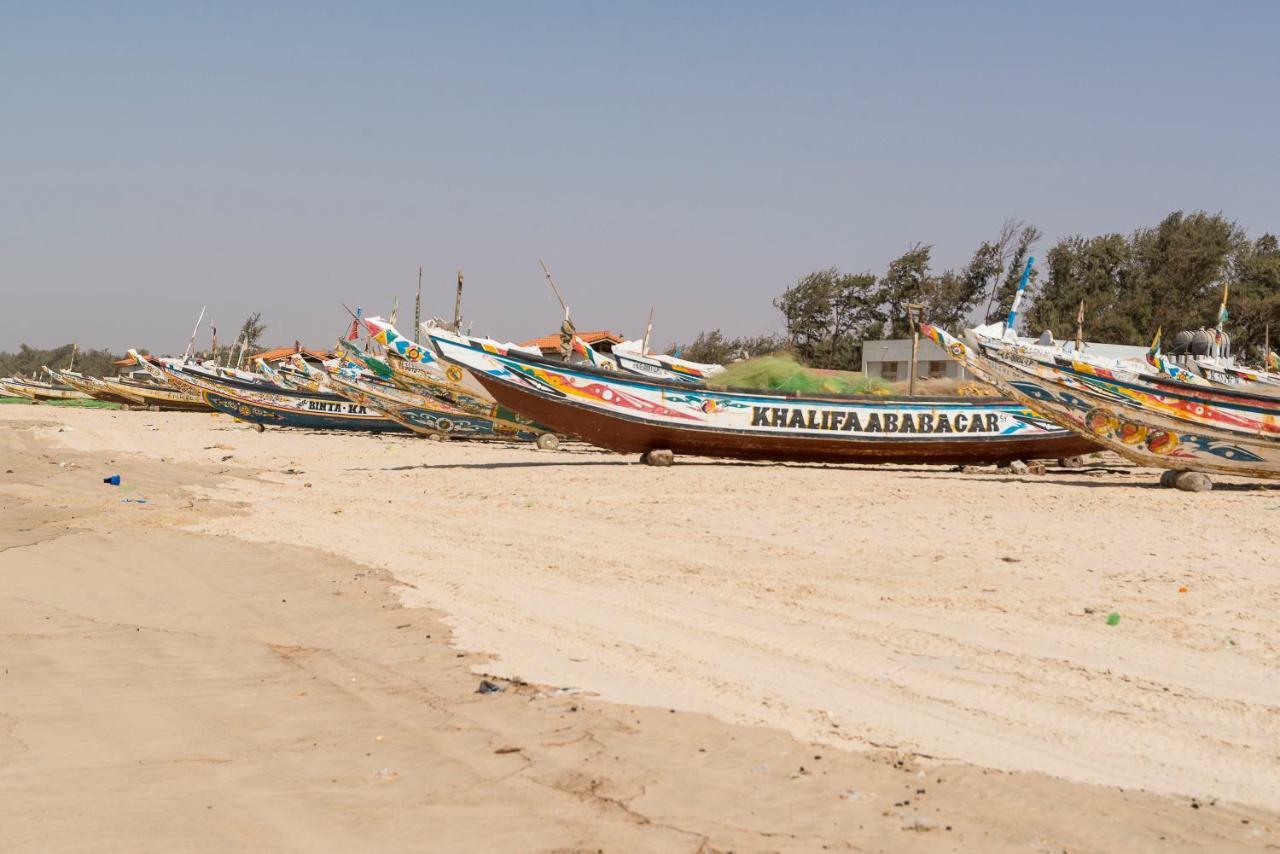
[232,665]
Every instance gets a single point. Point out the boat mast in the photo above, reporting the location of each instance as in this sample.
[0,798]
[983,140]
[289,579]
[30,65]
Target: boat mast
[1080,328]
[192,343]
[566,327]
[648,331]
[457,305]
[417,310]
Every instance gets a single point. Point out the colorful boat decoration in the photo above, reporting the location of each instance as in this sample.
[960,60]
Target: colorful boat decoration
[427,415]
[1166,424]
[275,406]
[417,370]
[631,357]
[631,414]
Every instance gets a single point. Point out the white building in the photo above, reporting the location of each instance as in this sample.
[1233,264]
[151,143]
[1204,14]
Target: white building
[890,360]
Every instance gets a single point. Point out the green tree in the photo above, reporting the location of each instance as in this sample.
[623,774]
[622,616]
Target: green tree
[1100,272]
[946,299]
[827,315]
[251,332]
[31,360]
[1254,302]
[1169,276]
[714,348]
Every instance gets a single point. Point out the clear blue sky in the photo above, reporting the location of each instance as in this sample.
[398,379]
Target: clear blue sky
[694,156]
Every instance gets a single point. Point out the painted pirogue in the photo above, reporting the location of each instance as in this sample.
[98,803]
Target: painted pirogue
[631,414]
[267,404]
[1162,423]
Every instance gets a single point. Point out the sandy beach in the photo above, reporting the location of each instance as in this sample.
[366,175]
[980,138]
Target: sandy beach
[273,642]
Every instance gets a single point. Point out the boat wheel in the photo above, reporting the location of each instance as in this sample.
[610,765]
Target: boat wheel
[548,442]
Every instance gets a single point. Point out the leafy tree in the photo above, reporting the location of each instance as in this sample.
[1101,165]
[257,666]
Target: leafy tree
[1099,271]
[827,315]
[714,348]
[31,360]
[1254,302]
[1169,277]
[251,331]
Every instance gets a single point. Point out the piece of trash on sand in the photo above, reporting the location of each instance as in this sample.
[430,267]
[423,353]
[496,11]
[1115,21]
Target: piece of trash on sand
[114,480]
[1182,589]
[487,687]
[133,501]
[1113,618]
[385,774]
[505,750]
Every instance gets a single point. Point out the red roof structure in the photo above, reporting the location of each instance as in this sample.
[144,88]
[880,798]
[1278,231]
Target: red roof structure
[279,354]
[600,340]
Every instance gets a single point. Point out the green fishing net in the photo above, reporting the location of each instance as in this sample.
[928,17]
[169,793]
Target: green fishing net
[781,372]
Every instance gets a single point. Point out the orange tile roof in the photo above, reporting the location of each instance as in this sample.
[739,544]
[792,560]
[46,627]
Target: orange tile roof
[552,341]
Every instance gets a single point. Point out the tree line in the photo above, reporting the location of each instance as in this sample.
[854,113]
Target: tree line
[1169,276]
[30,360]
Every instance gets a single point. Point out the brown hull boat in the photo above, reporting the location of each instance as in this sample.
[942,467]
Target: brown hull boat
[635,415]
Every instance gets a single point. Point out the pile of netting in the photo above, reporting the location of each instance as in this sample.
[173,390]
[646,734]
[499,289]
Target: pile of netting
[781,372]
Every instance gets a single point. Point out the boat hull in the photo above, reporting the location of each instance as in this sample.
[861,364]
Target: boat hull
[633,415]
[280,407]
[1136,423]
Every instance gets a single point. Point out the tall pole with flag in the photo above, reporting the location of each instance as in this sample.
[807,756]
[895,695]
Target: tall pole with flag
[1017,298]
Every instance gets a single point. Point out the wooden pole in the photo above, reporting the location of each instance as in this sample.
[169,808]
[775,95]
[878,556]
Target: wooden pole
[554,289]
[457,305]
[74,348]
[912,309]
[648,331]
[1080,328]
[417,310]
[192,343]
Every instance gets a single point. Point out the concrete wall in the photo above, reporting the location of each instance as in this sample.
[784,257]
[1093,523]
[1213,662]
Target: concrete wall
[891,359]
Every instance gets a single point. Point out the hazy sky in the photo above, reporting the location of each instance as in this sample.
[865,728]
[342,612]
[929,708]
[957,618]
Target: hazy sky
[698,157]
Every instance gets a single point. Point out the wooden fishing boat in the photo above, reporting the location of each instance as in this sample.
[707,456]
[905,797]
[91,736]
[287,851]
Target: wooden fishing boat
[14,387]
[416,369]
[156,394]
[630,356]
[631,414]
[42,391]
[275,406]
[1165,424]
[94,388]
[431,416]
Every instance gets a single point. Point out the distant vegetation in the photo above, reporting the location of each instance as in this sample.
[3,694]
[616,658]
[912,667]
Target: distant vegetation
[1166,276]
[29,360]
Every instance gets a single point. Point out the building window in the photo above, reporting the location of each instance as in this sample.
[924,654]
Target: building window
[889,371]
[937,369]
